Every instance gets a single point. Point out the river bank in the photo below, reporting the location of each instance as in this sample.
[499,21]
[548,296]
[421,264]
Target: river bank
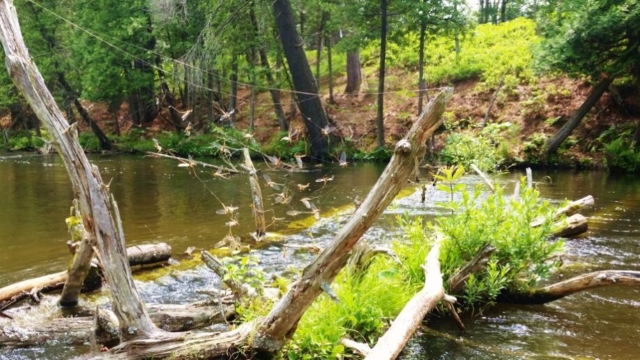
[519,122]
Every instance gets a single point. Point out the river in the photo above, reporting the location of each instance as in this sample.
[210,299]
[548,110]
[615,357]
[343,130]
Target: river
[160,201]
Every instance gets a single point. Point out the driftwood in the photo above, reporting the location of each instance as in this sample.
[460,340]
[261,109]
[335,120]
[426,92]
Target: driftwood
[568,210]
[358,348]
[571,286]
[271,333]
[78,330]
[410,318]
[147,254]
[96,205]
[572,226]
[256,197]
[478,263]
[191,162]
[484,177]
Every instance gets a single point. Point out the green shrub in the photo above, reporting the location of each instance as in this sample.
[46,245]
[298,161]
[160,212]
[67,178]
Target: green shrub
[524,255]
[488,52]
[621,155]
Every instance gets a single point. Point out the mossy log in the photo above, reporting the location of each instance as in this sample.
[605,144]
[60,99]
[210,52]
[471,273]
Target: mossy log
[574,225]
[571,286]
[140,255]
[570,209]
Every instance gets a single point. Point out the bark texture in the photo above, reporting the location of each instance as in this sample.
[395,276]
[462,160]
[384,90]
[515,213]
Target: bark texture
[313,114]
[280,324]
[571,286]
[92,194]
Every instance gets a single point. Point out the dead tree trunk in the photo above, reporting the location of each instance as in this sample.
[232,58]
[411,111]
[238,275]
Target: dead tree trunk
[281,323]
[256,196]
[88,187]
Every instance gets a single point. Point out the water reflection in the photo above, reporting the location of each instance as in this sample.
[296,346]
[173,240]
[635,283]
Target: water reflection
[161,202]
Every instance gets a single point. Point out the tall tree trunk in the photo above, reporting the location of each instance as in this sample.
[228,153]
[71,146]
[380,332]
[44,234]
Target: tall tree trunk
[105,143]
[503,11]
[354,73]
[383,54]
[210,99]
[422,84]
[309,103]
[233,97]
[554,143]
[264,61]
[95,205]
[330,65]
[320,41]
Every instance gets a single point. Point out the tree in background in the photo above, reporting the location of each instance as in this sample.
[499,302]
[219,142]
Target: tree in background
[599,40]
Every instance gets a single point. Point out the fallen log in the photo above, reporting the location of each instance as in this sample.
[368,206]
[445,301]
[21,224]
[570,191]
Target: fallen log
[147,255]
[571,286]
[270,334]
[78,330]
[572,226]
[410,318]
[568,210]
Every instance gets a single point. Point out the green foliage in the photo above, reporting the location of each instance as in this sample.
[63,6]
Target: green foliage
[534,145]
[488,52]
[593,38]
[367,302]
[25,141]
[622,155]
[524,255]
[379,154]
[466,148]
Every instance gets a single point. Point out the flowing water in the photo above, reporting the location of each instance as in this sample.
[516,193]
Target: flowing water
[161,202]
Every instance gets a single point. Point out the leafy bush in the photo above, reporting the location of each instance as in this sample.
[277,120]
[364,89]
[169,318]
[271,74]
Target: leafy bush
[524,255]
[488,52]
[621,155]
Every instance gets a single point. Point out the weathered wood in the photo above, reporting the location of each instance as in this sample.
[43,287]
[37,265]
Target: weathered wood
[93,196]
[280,324]
[568,210]
[256,197]
[529,178]
[193,162]
[410,318]
[572,226]
[571,286]
[78,271]
[77,330]
[214,264]
[358,348]
[146,254]
[20,290]
[478,263]
[484,177]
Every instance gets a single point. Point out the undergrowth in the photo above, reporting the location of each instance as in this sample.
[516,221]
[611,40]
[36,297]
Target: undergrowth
[370,300]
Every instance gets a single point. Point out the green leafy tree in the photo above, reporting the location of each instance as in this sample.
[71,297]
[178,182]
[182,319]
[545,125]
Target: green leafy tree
[599,40]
